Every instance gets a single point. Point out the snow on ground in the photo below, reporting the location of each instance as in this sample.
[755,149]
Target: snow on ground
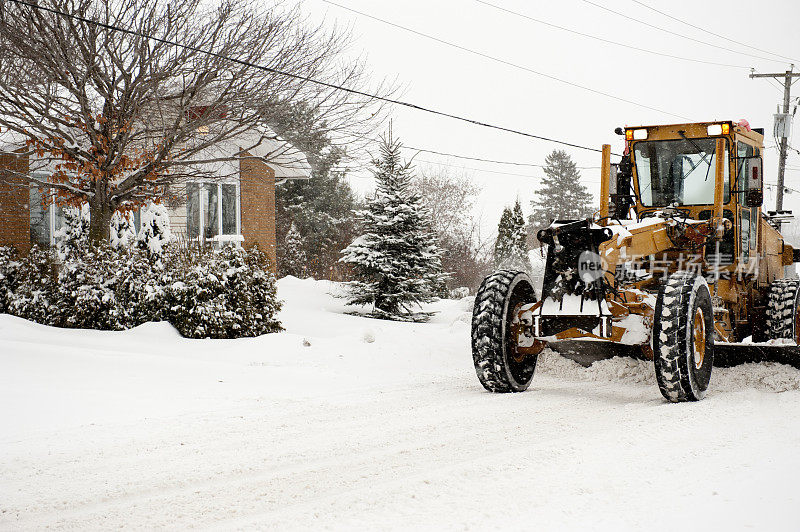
[345,422]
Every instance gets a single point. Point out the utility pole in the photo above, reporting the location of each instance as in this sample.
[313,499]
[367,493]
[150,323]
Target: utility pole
[784,142]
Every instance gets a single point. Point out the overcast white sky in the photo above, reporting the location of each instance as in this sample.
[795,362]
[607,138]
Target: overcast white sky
[451,80]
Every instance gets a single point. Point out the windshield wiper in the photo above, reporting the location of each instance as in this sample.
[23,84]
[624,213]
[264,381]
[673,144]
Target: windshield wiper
[702,153]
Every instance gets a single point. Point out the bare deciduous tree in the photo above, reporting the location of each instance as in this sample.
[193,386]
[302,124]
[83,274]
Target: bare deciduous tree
[449,198]
[117,117]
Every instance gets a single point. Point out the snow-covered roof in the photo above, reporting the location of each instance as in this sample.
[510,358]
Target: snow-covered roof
[287,161]
[11,141]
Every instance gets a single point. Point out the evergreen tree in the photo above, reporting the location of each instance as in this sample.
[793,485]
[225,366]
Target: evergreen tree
[503,244]
[294,254]
[511,247]
[396,260]
[561,196]
[320,208]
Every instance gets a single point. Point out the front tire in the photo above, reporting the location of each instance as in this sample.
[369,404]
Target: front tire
[499,368]
[683,337]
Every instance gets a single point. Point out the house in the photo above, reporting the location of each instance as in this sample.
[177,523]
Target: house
[233,201]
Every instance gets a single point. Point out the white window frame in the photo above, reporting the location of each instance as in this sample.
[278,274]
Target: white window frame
[219,237]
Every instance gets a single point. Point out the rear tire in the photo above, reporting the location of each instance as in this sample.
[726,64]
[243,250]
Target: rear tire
[783,318]
[683,337]
[498,367]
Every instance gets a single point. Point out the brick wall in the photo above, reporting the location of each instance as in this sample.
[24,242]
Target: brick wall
[257,189]
[14,204]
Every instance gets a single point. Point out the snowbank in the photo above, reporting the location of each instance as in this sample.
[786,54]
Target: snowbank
[765,377]
[345,422]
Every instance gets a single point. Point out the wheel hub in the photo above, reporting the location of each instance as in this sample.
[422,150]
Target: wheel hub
[797,325]
[699,337]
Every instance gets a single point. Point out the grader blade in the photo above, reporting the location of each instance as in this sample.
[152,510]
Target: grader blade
[726,355]
[587,353]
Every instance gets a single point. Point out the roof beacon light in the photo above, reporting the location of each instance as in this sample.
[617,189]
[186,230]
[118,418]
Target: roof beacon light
[726,128]
[639,134]
[628,134]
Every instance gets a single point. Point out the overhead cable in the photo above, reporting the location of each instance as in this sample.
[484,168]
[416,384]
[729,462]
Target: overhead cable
[726,37]
[609,41]
[659,28]
[503,61]
[494,161]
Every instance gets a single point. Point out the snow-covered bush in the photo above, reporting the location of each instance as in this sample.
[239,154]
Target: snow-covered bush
[72,239]
[9,271]
[123,231]
[33,295]
[155,232]
[85,292]
[458,293]
[140,288]
[228,293]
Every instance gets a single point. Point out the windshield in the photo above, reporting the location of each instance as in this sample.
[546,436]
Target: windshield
[678,171]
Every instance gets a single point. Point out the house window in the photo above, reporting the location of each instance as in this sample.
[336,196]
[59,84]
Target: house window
[45,219]
[212,209]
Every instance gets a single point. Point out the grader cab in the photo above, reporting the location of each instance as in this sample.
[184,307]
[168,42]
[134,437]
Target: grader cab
[679,265]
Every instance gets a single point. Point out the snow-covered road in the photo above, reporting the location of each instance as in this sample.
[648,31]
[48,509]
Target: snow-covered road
[375,425]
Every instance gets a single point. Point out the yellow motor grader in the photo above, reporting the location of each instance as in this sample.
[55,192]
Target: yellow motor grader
[679,266]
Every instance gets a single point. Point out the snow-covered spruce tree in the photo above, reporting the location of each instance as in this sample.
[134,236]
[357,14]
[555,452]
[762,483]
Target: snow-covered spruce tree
[519,259]
[561,195]
[294,254]
[511,247]
[504,242]
[396,261]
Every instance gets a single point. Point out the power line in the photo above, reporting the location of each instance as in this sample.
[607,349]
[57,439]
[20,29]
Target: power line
[726,37]
[513,163]
[659,28]
[595,37]
[485,171]
[502,61]
[501,173]
[372,140]
[315,81]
